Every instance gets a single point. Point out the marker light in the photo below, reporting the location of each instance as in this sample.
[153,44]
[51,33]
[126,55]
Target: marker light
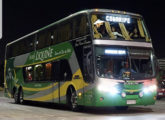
[150,89]
[115,52]
[80,94]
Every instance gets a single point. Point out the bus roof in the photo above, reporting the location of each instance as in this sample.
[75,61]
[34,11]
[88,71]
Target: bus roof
[75,14]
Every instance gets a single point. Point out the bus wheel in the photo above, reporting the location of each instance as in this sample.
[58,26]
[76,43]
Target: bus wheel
[121,107]
[21,100]
[72,100]
[16,99]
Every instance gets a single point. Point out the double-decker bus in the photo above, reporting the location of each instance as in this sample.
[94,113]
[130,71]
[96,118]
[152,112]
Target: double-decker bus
[94,57]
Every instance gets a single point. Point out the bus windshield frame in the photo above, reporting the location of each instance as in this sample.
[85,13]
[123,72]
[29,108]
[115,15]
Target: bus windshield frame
[112,26]
[124,63]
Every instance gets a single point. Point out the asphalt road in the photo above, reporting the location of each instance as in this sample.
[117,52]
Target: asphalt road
[40,111]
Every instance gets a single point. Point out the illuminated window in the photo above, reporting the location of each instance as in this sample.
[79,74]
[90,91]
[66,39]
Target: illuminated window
[39,72]
[28,74]
[48,71]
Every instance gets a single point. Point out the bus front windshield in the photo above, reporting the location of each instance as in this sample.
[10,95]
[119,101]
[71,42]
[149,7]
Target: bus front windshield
[118,26]
[116,63]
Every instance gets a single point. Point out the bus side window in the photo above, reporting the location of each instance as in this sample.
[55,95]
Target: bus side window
[43,39]
[28,74]
[80,26]
[55,35]
[55,71]
[48,71]
[21,49]
[25,46]
[29,42]
[39,72]
[65,71]
[83,26]
[15,49]
[65,32]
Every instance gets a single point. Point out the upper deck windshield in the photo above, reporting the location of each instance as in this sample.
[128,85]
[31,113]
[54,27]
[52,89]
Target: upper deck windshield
[124,63]
[118,26]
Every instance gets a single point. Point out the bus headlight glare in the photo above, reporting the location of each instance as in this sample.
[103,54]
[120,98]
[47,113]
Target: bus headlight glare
[153,87]
[111,90]
[150,89]
[146,90]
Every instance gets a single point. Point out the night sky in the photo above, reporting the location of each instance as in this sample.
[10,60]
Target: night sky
[21,17]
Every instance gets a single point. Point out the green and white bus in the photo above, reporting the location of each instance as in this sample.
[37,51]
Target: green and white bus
[95,57]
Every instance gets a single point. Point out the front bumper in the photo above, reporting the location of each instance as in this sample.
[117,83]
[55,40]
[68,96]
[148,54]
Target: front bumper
[106,99]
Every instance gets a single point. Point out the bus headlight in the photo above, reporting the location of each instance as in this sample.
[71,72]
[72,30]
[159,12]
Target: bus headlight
[112,89]
[151,88]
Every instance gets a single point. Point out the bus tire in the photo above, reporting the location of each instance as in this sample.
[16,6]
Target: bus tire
[21,100]
[72,99]
[16,99]
[121,108]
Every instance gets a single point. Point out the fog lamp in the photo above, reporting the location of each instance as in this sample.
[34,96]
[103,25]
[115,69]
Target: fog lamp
[141,94]
[123,94]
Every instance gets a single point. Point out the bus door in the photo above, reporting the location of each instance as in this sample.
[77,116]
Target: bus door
[88,72]
[65,76]
[56,81]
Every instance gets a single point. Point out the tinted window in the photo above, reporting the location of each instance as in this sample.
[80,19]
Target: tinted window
[39,72]
[21,47]
[48,71]
[80,26]
[28,73]
[61,71]
[65,71]
[55,35]
[29,43]
[64,32]
[43,39]
[56,71]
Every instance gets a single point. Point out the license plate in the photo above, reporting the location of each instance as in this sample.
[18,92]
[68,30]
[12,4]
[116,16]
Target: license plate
[131,102]
[160,93]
